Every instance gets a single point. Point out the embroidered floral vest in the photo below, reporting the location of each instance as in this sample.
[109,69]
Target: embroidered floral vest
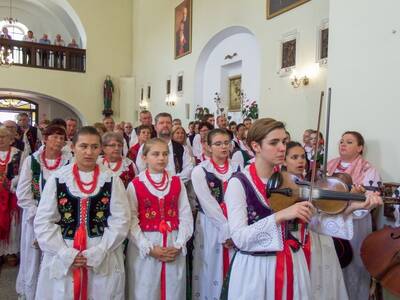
[127,175]
[36,172]
[98,211]
[152,210]
[256,210]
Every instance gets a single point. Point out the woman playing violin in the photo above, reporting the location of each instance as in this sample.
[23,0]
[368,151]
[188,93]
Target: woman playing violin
[271,262]
[351,161]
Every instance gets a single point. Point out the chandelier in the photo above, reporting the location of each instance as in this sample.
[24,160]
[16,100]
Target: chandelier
[9,19]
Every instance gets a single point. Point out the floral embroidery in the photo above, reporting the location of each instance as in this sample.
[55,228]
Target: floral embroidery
[105,200]
[63,201]
[65,208]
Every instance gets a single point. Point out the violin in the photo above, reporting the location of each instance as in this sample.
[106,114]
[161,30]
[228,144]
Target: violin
[330,195]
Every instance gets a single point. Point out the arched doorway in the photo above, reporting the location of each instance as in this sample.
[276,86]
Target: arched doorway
[40,106]
[231,53]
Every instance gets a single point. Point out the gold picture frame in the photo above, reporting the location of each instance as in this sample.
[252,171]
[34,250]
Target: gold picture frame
[183,29]
[277,7]
[235,89]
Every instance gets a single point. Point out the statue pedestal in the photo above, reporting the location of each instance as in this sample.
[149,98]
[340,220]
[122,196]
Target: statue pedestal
[107,112]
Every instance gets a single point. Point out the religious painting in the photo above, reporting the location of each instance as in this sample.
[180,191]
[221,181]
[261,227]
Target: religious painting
[235,90]
[168,86]
[324,43]
[277,7]
[183,29]
[179,86]
[288,54]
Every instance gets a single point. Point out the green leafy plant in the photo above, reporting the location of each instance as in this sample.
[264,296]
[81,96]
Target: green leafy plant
[200,112]
[250,110]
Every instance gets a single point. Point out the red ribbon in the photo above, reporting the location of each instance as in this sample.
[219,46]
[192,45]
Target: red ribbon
[284,262]
[5,216]
[225,251]
[80,275]
[164,228]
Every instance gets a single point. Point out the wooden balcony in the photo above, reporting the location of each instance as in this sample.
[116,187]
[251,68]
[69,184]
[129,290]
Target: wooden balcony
[35,55]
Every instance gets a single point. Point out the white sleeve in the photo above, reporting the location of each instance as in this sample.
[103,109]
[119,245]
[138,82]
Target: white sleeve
[197,151]
[24,190]
[187,166]
[237,158]
[48,233]
[339,226]
[209,204]
[263,235]
[185,221]
[140,164]
[135,233]
[134,139]
[125,148]
[118,226]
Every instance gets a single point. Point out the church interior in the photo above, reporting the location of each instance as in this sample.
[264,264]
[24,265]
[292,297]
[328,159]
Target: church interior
[270,58]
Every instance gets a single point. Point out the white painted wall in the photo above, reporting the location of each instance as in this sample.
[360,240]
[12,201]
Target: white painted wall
[153,60]
[363,72]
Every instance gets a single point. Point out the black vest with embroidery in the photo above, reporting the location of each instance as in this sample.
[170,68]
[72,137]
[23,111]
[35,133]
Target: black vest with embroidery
[13,166]
[35,182]
[98,211]
[178,150]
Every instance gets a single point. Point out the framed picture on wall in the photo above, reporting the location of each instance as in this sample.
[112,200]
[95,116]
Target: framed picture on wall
[183,29]
[277,7]
[179,84]
[141,93]
[168,87]
[324,43]
[149,92]
[288,54]
[235,90]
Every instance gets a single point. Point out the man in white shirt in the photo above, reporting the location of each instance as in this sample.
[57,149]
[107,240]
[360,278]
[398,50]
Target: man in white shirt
[179,160]
[26,52]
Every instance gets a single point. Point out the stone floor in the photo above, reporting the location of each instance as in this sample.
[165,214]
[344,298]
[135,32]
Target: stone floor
[8,275]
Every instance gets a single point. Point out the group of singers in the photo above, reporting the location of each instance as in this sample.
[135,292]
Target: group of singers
[176,216]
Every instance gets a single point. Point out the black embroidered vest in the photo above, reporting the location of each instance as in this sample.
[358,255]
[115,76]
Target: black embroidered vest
[13,166]
[98,211]
[36,172]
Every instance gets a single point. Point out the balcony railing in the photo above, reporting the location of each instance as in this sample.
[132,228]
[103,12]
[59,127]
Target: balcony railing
[44,56]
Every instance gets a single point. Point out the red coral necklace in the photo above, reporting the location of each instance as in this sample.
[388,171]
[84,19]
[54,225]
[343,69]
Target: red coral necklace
[81,184]
[107,163]
[161,186]
[53,167]
[7,159]
[221,170]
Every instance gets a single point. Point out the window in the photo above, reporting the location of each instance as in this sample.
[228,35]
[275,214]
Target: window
[16,30]
[11,107]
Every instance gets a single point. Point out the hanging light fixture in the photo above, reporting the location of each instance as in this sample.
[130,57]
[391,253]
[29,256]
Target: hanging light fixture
[9,19]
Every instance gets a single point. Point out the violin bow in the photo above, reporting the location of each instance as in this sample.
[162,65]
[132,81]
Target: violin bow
[327,127]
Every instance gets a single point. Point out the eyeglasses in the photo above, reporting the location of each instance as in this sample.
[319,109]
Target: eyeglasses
[219,144]
[114,145]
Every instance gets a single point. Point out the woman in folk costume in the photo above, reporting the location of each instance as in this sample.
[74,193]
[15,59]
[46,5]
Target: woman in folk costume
[270,262]
[81,223]
[35,171]
[200,142]
[351,161]
[242,154]
[121,166]
[161,225]
[10,222]
[212,240]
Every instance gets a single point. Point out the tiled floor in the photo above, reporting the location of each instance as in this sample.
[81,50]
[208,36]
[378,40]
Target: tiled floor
[8,275]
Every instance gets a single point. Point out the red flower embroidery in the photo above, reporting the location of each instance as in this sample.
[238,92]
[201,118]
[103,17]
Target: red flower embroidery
[105,200]
[63,201]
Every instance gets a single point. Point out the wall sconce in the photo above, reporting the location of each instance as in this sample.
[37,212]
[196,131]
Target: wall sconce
[143,105]
[297,82]
[170,100]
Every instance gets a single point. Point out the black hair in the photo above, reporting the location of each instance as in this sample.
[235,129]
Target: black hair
[86,130]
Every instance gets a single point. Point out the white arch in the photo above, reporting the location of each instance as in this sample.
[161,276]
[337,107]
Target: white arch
[209,48]
[35,96]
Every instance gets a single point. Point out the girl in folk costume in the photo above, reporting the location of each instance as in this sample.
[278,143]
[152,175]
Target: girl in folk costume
[350,161]
[113,159]
[81,223]
[212,240]
[161,225]
[270,262]
[10,224]
[200,142]
[242,154]
[143,134]
[35,171]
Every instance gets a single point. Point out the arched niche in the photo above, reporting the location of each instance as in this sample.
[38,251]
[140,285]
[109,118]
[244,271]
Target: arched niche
[47,16]
[49,106]
[234,51]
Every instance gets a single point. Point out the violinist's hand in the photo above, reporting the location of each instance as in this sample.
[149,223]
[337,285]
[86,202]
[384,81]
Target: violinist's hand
[357,189]
[228,244]
[373,200]
[302,210]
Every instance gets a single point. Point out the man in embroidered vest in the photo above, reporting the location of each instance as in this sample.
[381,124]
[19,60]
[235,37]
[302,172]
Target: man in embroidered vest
[179,160]
[28,134]
[81,223]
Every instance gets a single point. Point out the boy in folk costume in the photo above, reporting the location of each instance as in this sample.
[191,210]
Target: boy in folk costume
[35,171]
[270,262]
[121,166]
[81,222]
[161,225]
[10,223]
[212,242]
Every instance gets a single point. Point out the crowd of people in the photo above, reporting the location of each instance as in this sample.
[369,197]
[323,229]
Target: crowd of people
[110,211]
